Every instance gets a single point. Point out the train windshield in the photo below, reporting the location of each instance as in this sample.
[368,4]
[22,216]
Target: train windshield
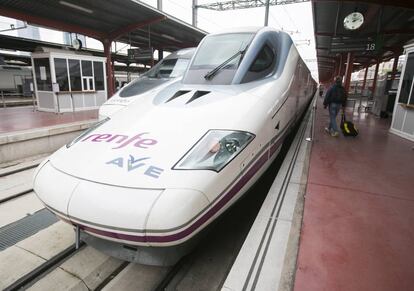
[171,68]
[164,71]
[219,48]
[223,51]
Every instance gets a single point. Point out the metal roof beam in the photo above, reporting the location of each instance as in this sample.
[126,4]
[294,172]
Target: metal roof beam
[134,26]
[396,3]
[244,4]
[50,23]
[385,32]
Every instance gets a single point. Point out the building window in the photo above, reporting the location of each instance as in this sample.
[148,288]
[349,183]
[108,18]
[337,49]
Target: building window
[407,81]
[87,84]
[42,71]
[87,76]
[62,78]
[99,76]
[75,75]
[87,69]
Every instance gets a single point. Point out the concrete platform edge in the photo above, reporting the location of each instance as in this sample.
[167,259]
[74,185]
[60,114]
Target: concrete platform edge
[22,144]
[279,267]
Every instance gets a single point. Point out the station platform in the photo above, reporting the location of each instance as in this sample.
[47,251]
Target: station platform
[24,118]
[357,229]
[27,133]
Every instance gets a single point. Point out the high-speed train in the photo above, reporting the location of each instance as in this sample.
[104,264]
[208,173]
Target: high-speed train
[148,179]
[170,68]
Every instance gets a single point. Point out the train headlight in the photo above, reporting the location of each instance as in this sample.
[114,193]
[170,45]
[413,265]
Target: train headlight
[90,129]
[215,150]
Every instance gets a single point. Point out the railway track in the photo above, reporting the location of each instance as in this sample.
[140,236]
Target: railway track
[15,181]
[30,278]
[7,172]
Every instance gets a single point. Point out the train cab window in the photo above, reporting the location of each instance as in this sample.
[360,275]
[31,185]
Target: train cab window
[262,65]
[263,61]
[215,66]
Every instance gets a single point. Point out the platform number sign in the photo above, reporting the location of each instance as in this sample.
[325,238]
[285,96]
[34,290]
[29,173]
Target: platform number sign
[375,46]
[370,47]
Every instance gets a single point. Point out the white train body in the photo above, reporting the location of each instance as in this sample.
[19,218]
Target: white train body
[171,162]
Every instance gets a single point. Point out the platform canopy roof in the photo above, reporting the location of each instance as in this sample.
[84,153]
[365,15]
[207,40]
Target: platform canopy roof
[387,27]
[127,21]
[31,45]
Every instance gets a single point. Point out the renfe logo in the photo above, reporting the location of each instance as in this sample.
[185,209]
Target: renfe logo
[123,140]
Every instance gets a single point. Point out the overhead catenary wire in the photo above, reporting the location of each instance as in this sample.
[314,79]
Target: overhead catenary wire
[190,9]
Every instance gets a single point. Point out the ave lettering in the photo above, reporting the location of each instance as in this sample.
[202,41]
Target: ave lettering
[132,163]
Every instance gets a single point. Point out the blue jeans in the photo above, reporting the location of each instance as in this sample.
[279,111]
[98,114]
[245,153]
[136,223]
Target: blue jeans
[333,112]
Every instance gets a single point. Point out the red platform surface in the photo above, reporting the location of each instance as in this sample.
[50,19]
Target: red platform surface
[23,118]
[358,224]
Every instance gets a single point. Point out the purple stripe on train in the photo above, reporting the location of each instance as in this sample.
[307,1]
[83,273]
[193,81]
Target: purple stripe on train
[210,213]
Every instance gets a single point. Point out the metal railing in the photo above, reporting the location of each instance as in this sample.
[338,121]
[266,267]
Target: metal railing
[4,96]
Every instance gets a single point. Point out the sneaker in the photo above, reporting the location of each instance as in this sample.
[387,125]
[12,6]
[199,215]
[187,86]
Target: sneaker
[327,130]
[335,134]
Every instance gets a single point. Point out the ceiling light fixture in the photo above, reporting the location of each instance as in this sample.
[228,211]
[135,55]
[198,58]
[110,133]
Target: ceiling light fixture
[77,7]
[170,37]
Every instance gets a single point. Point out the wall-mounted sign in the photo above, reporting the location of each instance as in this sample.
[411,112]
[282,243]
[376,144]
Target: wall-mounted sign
[137,54]
[42,71]
[55,87]
[371,45]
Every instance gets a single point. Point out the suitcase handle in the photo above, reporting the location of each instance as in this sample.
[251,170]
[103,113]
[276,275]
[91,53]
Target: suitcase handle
[343,118]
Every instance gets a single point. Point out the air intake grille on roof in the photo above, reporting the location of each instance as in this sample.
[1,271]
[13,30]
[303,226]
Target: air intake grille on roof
[178,94]
[197,95]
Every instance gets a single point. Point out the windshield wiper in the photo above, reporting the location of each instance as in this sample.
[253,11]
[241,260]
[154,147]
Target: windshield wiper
[213,72]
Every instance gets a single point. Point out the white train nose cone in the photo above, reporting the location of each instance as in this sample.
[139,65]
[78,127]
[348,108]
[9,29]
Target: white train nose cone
[136,216]
[54,188]
[176,216]
[112,212]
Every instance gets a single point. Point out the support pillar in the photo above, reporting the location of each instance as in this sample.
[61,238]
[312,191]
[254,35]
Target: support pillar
[365,79]
[394,66]
[348,72]
[195,11]
[336,68]
[109,71]
[160,54]
[266,23]
[374,83]
[340,66]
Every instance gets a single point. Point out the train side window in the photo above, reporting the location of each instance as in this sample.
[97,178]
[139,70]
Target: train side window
[262,65]
[263,60]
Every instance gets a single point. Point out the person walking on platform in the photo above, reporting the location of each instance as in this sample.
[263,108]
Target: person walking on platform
[335,98]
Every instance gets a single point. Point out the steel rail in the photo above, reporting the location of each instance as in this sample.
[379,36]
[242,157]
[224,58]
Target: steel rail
[32,277]
[24,168]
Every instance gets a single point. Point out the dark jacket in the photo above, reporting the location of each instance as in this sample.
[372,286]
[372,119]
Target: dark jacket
[335,94]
